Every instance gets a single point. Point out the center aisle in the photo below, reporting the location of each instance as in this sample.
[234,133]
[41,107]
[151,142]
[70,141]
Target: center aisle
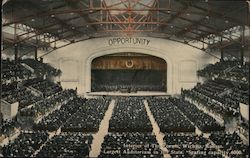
[157,132]
[98,138]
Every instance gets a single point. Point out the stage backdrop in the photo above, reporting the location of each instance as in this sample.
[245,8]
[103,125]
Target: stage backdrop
[128,71]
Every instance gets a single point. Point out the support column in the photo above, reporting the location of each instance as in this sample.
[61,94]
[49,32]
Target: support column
[16,52]
[35,53]
[242,45]
[221,49]
[242,55]
[16,57]
[221,54]
[41,60]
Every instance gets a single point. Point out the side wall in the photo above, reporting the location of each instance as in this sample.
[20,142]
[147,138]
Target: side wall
[182,61]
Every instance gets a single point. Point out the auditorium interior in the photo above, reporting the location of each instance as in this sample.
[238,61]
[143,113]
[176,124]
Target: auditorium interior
[125,78]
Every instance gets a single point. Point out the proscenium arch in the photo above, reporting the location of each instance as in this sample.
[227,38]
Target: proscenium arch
[141,67]
[85,79]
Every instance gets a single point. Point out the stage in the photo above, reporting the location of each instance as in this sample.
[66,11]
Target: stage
[118,93]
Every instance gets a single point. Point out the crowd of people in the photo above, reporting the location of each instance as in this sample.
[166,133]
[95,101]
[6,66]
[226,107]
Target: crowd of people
[44,106]
[15,75]
[229,70]
[16,71]
[231,143]
[7,127]
[5,88]
[200,119]
[239,73]
[88,117]
[129,115]
[227,87]
[67,145]
[130,145]
[47,87]
[128,80]
[25,145]
[130,128]
[32,81]
[182,145]
[26,96]
[168,116]
[41,68]
[211,104]
[127,87]
[11,71]
[240,94]
[21,95]
[217,68]
[211,92]
[60,116]
[220,96]
[11,74]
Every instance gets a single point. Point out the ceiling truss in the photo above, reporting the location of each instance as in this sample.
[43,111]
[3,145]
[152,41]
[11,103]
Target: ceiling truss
[128,17]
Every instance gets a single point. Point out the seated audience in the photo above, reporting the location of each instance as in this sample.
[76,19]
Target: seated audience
[21,95]
[127,87]
[40,68]
[13,71]
[47,87]
[190,145]
[130,145]
[228,70]
[8,127]
[168,116]
[129,115]
[67,145]
[231,143]
[88,117]
[60,116]
[25,145]
[44,106]
[200,119]
[220,96]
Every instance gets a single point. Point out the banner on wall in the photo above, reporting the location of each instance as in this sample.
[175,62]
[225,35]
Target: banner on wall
[129,62]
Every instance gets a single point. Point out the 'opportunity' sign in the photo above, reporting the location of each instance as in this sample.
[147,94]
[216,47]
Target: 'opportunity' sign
[128,40]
